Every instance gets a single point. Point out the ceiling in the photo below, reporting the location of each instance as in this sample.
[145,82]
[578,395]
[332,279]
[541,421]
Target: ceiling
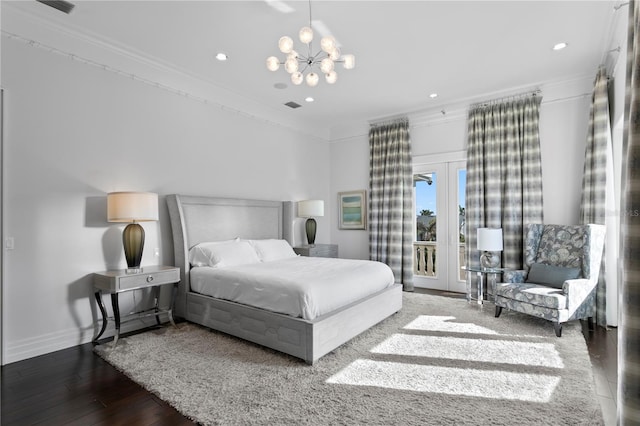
[404,50]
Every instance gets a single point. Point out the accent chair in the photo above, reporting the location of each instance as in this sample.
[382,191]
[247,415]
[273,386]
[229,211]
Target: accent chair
[560,275]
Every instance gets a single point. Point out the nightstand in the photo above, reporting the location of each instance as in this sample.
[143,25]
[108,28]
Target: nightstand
[317,250]
[116,282]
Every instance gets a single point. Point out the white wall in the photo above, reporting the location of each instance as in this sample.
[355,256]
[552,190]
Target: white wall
[563,138]
[349,172]
[563,126]
[75,132]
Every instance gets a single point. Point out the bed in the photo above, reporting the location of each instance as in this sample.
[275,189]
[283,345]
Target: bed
[196,220]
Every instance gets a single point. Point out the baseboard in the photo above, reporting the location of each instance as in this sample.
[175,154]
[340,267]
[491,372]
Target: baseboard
[35,346]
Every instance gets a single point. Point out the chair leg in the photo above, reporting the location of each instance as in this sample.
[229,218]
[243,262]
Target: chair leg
[558,328]
[498,311]
[590,323]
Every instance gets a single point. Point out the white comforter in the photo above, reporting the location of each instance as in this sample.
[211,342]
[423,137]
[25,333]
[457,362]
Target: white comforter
[305,287]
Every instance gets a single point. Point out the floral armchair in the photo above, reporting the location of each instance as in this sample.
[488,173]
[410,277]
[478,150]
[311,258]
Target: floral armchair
[560,275]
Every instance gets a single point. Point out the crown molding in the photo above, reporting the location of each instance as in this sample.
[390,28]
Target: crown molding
[558,90]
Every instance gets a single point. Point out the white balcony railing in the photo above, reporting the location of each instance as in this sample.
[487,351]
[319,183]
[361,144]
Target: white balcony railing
[424,259]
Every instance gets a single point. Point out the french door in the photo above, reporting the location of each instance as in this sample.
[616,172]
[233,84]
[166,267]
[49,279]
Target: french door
[439,200]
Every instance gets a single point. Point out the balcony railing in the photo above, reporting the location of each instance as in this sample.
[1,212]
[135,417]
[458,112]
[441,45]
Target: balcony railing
[424,259]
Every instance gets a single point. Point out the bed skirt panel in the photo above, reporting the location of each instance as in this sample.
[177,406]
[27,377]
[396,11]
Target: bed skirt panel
[308,340]
[276,331]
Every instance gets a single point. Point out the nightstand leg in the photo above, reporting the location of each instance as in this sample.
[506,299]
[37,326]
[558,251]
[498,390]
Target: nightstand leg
[103,311]
[492,283]
[116,316]
[156,291]
[174,290]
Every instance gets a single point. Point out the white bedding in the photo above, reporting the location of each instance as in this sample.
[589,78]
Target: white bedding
[305,287]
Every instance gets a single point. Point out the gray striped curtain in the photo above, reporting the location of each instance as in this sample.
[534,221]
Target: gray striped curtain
[391,199]
[504,174]
[595,185]
[629,315]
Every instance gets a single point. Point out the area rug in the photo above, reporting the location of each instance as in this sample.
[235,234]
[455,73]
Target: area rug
[439,361]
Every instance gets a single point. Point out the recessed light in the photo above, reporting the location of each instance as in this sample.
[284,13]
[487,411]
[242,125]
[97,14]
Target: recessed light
[309,99]
[222,56]
[433,95]
[560,46]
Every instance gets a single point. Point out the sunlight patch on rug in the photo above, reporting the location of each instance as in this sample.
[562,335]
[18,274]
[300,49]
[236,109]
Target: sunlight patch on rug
[478,350]
[450,381]
[444,324]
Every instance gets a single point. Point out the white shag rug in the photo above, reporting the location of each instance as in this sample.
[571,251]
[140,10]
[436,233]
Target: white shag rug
[439,361]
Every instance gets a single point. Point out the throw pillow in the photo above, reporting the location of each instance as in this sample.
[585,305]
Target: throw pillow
[551,275]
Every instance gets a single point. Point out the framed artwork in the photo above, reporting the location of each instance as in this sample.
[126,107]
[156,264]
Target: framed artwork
[353,209]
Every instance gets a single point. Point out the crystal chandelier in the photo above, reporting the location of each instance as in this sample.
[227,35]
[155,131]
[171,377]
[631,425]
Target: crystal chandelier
[302,67]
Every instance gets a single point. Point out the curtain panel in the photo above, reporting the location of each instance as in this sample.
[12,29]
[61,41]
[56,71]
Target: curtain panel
[629,315]
[597,182]
[391,199]
[504,174]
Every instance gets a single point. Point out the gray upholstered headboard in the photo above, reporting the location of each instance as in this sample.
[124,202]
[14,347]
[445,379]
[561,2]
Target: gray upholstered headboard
[199,219]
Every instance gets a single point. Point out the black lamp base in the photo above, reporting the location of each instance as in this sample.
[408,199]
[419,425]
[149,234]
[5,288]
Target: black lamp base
[310,226]
[133,242]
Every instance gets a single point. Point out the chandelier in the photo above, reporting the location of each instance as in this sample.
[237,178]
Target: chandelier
[303,67]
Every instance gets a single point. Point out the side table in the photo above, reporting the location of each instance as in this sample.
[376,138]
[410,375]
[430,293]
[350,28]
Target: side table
[480,272]
[116,282]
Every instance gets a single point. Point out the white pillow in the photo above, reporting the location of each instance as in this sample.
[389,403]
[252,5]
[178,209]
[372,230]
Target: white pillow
[269,250]
[221,254]
[199,254]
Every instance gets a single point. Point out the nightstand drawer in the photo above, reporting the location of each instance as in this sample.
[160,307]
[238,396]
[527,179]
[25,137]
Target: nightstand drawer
[318,250]
[117,281]
[143,280]
[322,252]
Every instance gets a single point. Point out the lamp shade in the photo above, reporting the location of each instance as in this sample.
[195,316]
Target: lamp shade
[132,206]
[311,208]
[490,239]
[312,79]
[273,63]
[306,35]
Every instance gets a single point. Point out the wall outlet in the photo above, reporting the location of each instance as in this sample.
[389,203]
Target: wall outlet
[9,243]
[156,252]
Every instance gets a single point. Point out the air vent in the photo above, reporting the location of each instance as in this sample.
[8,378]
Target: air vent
[61,5]
[293,105]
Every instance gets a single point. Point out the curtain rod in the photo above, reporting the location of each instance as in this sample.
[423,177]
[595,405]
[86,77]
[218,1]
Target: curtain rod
[534,93]
[389,120]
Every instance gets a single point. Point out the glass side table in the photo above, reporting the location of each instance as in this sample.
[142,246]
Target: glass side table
[491,273]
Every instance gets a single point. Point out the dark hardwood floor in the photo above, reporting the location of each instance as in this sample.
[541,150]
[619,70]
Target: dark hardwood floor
[76,387]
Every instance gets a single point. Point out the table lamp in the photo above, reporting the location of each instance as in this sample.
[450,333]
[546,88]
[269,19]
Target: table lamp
[489,241]
[132,207]
[311,209]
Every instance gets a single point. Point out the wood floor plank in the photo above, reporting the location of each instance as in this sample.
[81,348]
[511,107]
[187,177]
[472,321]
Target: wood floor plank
[138,410]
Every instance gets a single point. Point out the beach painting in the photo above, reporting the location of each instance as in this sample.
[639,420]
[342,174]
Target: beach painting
[353,209]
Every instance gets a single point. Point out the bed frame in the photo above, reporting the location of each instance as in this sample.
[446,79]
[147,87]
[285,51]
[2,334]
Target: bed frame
[200,219]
